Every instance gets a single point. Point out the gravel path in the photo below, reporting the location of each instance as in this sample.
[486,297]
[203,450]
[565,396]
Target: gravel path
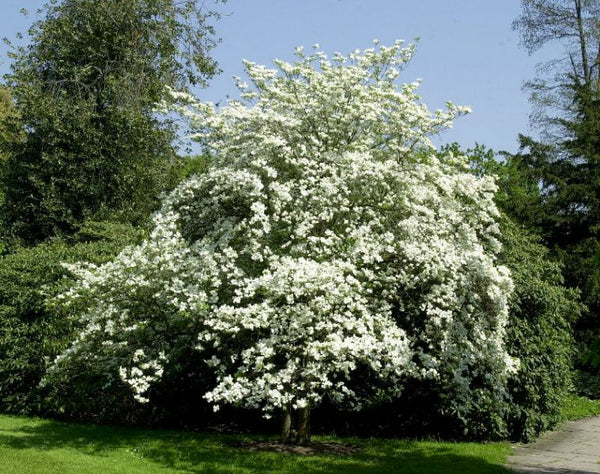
[573,448]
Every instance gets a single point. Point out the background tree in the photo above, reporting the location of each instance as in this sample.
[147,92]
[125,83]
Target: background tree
[86,89]
[10,127]
[566,163]
[562,85]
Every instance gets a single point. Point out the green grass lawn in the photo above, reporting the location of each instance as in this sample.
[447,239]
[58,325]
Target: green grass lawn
[30,445]
[576,407]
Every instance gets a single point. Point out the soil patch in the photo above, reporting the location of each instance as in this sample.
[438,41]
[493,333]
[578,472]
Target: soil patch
[315,447]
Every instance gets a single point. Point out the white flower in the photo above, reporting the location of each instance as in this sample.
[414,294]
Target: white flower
[328,238]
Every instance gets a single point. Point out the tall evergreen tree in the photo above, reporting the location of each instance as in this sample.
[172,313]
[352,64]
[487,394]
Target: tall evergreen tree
[86,88]
[562,83]
[566,163]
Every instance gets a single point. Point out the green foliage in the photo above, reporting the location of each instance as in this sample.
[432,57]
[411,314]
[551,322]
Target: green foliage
[518,194]
[565,212]
[566,163]
[573,24]
[187,166]
[87,88]
[592,356]
[32,334]
[9,124]
[10,129]
[542,313]
[586,382]
[192,165]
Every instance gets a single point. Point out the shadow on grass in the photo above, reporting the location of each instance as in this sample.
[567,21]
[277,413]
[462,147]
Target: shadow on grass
[193,452]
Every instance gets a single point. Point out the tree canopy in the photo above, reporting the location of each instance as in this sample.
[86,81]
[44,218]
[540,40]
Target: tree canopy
[566,162]
[86,89]
[328,252]
[562,82]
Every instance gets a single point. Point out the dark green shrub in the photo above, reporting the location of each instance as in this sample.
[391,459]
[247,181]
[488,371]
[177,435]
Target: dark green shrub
[31,333]
[587,375]
[542,313]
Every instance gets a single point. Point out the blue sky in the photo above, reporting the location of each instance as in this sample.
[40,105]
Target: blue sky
[467,52]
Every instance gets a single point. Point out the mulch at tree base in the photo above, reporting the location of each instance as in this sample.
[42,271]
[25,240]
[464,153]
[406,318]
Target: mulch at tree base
[316,447]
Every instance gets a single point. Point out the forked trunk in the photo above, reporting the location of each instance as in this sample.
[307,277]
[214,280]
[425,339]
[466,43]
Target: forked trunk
[295,429]
[286,425]
[303,425]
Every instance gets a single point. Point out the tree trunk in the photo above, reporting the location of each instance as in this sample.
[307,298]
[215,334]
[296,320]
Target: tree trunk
[296,429]
[286,425]
[587,76]
[303,425]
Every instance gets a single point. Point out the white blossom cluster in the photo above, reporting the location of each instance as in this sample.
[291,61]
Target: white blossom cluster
[327,241]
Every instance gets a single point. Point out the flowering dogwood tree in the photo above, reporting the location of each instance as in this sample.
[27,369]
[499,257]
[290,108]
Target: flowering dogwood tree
[327,242]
